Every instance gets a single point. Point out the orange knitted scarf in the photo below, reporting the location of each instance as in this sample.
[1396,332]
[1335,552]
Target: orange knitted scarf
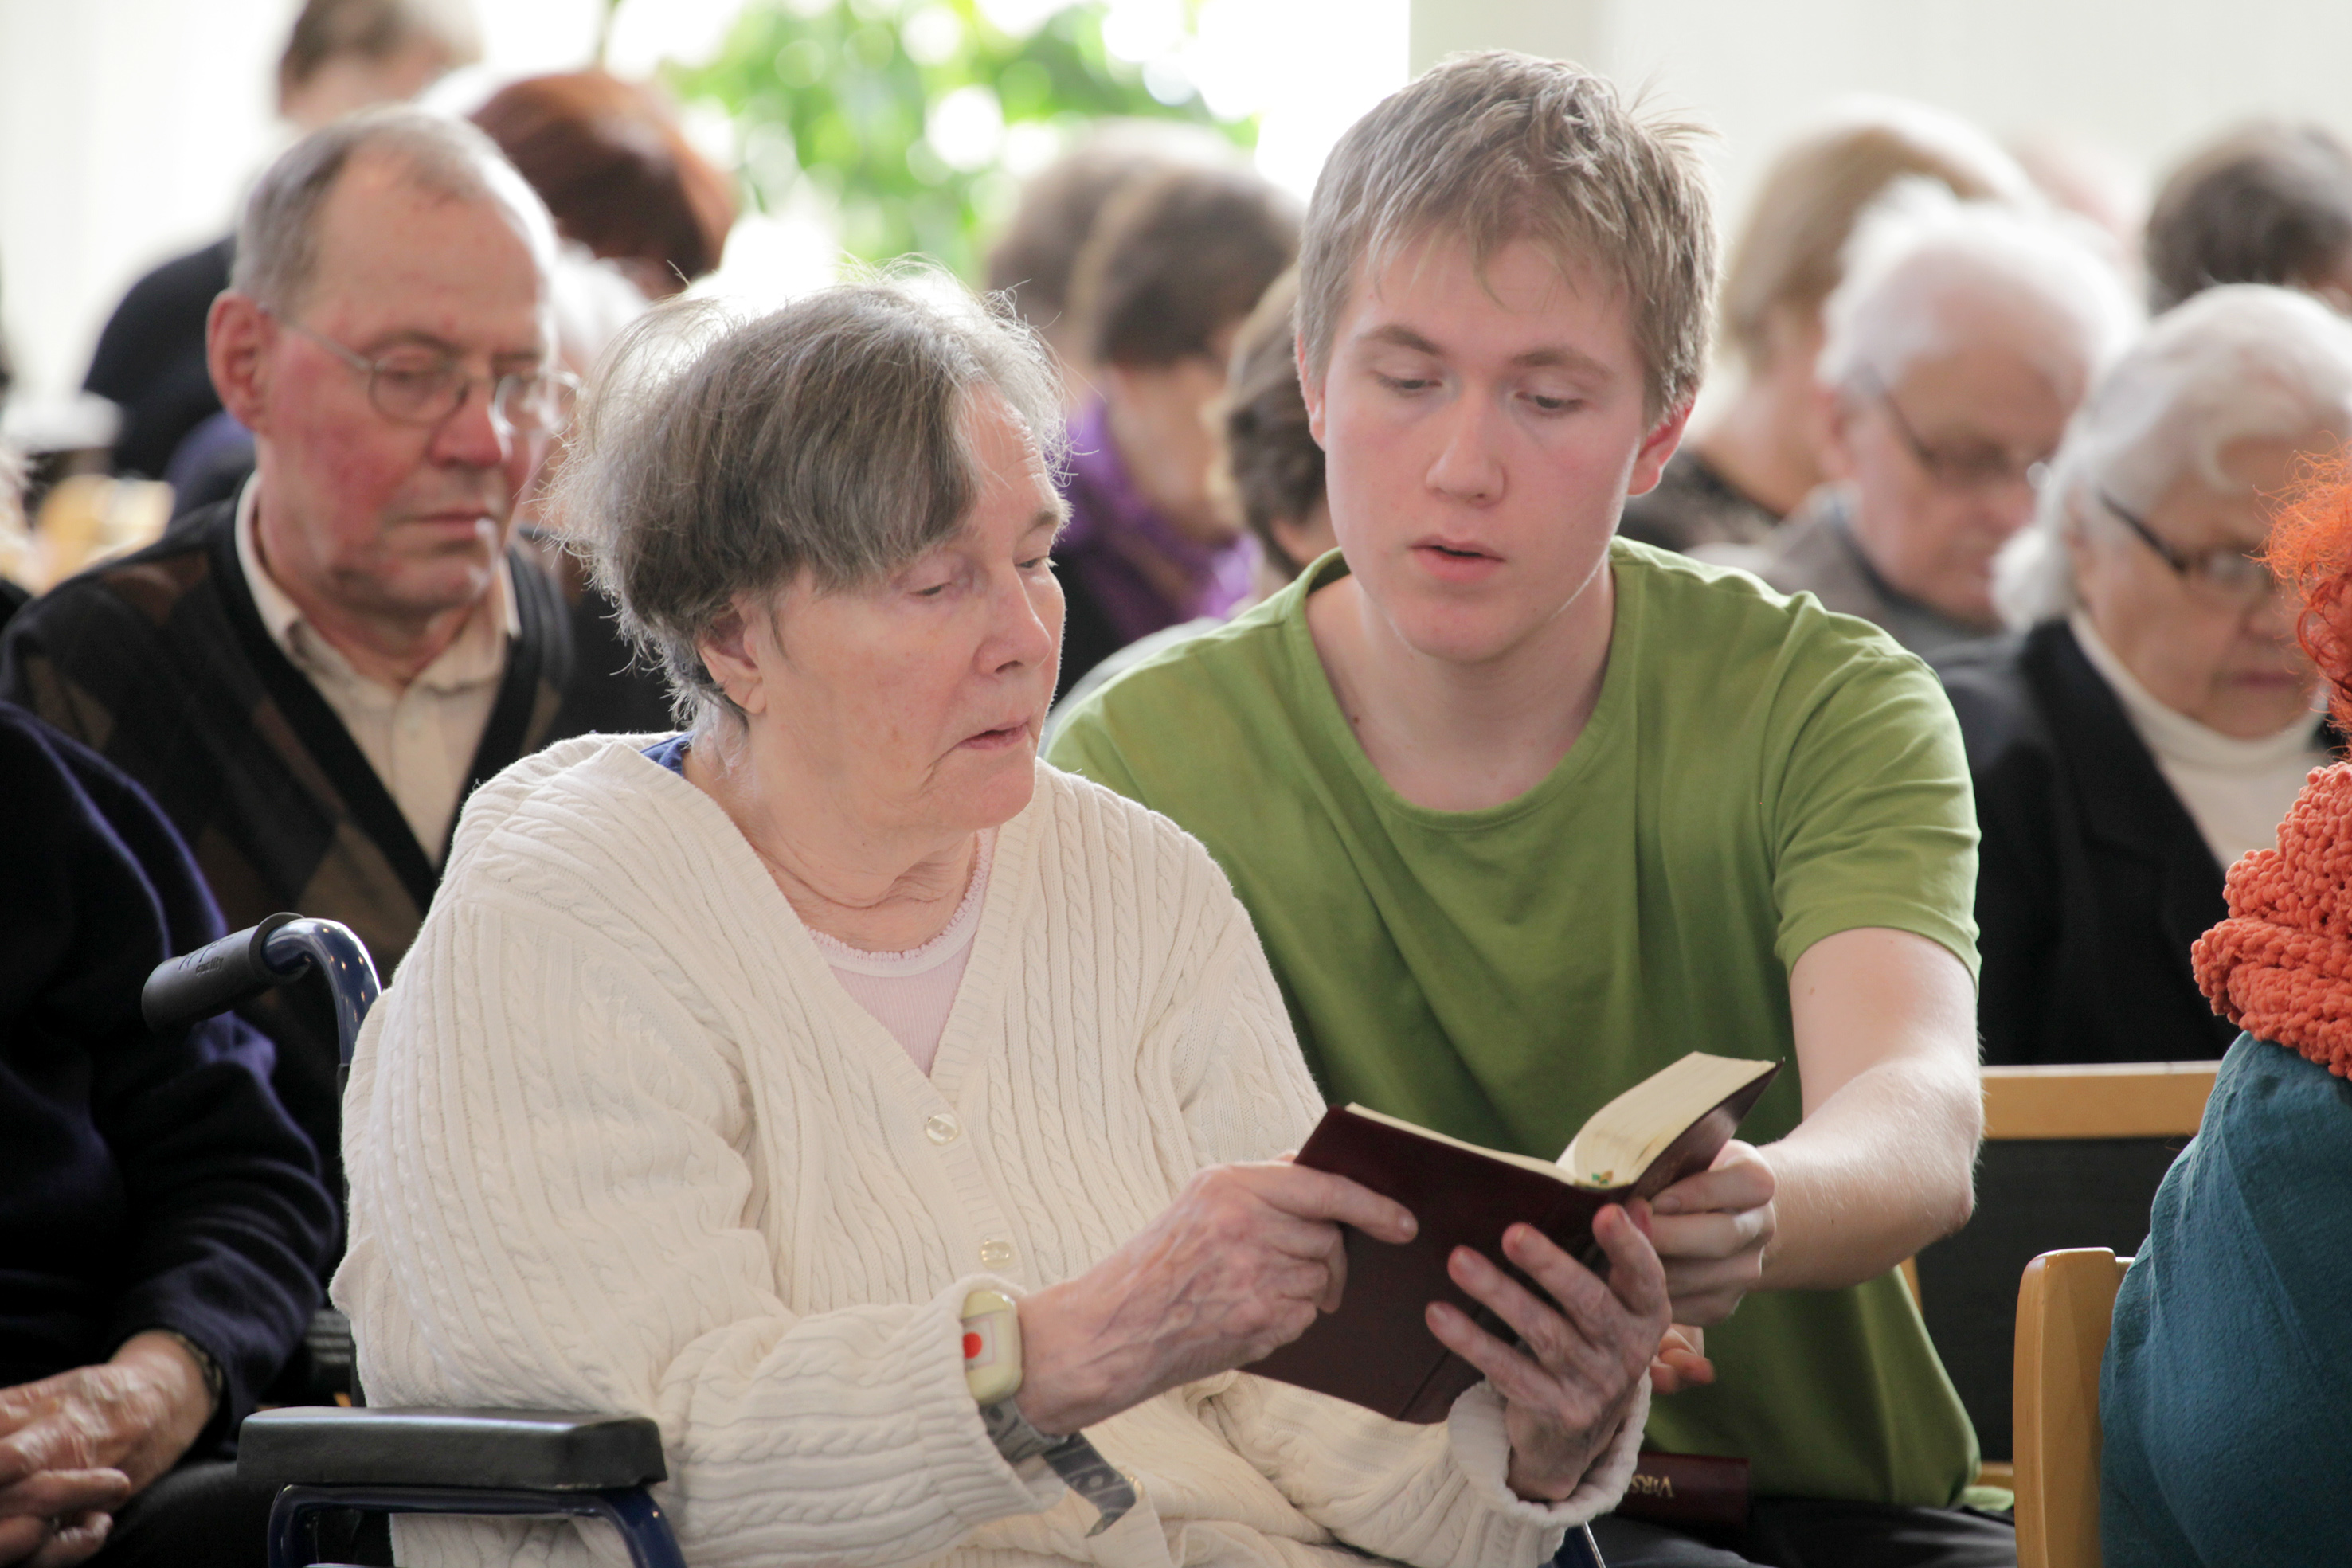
[2280,967]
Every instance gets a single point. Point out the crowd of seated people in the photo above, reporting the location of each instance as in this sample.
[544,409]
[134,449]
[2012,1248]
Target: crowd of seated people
[1763,449]
[1954,351]
[765,1009]
[2152,718]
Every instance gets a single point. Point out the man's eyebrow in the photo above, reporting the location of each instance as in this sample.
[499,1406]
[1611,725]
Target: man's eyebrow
[413,337]
[1553,357]
[1397,335]
[1563,358]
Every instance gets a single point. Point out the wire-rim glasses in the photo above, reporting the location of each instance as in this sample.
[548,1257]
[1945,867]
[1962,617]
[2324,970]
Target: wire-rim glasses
[1986,469]
[2223,577]
[423,386]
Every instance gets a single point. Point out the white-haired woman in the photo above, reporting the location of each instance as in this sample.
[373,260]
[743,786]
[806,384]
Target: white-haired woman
[2151,720]
[733,1071]
[1958,344]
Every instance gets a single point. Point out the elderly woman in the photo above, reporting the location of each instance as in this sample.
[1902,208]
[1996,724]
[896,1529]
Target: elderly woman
[2152,717]
[754,1078]
[2230,1366]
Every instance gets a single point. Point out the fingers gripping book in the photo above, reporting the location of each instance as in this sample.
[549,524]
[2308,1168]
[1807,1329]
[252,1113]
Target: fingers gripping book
[1376,1350]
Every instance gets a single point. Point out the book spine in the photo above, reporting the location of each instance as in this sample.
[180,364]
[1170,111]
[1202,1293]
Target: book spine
[1702,1491]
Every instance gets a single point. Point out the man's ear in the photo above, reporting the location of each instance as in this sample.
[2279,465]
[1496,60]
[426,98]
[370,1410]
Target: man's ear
[727,652]
[1650,458]
[1837,422]
[239,334]
[1310,388]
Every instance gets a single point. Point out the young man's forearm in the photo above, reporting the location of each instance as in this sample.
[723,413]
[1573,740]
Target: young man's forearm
[1884,1161]
[1886,1166]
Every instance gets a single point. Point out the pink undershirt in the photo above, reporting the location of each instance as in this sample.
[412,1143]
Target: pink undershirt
[911,993]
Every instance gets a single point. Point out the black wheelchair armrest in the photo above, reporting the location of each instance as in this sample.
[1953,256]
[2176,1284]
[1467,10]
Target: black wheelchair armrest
[535,1450]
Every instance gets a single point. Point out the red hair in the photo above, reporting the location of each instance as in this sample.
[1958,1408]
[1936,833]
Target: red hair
[2311,548]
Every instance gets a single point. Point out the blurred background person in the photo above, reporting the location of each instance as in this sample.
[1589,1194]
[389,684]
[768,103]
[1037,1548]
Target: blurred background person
[1272,472]
[1034,256]
[1760,451]
[616,173]
[2086,177]
[1268,473]
[1956,349]
[1175,264]
[343,55]
[2152,719]
[642,214]
[2267,203]
[2223,1396]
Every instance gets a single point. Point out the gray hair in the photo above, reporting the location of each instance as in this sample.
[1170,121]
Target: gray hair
[1920,248]
[724,456]
[2245,361]
[277,235]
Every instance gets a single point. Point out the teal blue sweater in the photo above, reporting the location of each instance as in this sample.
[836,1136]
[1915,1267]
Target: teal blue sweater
[2227,1391]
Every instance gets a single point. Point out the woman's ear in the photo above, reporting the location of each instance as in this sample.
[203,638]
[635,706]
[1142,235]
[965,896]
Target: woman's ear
[732,655]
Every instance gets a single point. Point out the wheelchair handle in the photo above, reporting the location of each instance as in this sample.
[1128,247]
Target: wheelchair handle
[244,963]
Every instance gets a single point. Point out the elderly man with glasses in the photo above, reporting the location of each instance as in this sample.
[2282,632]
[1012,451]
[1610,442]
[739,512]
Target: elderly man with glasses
[309,678]
[1960,343]
[2152,717]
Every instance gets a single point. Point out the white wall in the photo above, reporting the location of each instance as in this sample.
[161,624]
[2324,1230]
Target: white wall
[2151,78]
[128,128]
[127,131]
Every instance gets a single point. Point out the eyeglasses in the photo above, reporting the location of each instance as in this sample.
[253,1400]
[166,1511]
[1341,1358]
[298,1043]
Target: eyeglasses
[1975,467]
[2225,578]
[424,386]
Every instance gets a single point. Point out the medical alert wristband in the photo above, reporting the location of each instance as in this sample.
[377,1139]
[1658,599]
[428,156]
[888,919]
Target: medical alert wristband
[992,1370]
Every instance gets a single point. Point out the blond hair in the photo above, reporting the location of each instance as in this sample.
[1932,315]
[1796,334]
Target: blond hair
[1790,255]
[1496,147]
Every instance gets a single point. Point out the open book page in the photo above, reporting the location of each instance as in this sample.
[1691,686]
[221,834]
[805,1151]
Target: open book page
[1552,1168]
[1622,1139]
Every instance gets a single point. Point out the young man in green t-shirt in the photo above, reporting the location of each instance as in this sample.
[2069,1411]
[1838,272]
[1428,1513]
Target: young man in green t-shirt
[1523,812]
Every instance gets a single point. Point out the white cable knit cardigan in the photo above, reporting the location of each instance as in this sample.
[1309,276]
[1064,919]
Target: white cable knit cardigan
[618,1141]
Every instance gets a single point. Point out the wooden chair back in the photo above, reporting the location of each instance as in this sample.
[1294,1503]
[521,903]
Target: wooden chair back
[2063,1311]
[2072,1159]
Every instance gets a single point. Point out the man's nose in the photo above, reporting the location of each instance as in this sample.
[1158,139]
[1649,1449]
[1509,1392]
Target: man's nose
[1468,466]
[472,437]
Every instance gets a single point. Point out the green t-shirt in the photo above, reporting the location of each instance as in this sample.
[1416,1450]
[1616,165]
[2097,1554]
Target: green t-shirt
[1757,774]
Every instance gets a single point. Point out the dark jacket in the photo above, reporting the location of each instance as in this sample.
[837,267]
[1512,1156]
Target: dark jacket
[146,1181]
[2093,880]
[160,662]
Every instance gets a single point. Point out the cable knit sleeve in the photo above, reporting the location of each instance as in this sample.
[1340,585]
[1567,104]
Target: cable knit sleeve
[553,1195]
[1433,1496]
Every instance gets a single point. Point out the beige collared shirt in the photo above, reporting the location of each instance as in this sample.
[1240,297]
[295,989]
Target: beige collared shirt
[420,741]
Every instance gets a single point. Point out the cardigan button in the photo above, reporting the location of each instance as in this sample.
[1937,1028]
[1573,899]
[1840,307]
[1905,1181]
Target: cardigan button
[942,1128]
[996,1253]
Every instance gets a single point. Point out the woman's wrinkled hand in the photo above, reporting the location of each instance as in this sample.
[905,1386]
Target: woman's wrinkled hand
[1570,1385]
[1711,1230]
[1238,1265]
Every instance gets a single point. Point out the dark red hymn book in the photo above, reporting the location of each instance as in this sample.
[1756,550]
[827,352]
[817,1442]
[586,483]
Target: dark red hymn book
[1377,1350]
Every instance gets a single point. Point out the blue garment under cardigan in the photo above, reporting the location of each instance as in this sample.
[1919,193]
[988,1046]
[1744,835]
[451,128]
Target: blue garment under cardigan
[2226,1396]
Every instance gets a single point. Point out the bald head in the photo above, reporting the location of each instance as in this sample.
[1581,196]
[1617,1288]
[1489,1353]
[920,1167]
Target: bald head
[400,155]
